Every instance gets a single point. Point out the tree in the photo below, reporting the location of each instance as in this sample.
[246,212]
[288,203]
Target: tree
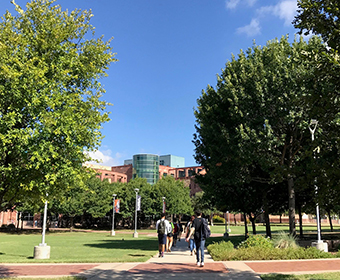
[51,109]
[176,194]
[320,17]
[257,117]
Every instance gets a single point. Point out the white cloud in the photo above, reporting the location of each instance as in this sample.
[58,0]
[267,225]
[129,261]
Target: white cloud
[251,29]
[232,4]
[105,158]
[285,10]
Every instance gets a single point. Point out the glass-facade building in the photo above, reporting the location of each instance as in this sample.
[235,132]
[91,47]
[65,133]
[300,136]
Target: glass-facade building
[146,166]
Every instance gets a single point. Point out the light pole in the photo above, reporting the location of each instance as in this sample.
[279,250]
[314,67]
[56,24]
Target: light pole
[113,216]
[135,234]
[319,244]
[43,251]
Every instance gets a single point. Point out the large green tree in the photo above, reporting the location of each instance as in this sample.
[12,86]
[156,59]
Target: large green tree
[257,117]
[51,109]
[320,17]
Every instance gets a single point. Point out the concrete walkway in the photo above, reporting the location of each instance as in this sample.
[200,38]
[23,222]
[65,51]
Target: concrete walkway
[176,264]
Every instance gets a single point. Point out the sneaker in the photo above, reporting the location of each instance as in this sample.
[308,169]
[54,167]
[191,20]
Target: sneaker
[162,255]
[195,251]
[202,264]
[159,255]
[198,264]
[191,254]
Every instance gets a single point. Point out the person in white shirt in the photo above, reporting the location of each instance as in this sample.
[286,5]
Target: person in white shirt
[162,227]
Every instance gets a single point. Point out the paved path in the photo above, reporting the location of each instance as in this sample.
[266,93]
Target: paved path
[176,264]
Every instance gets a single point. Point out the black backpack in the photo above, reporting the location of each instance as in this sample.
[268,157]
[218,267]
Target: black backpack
[161,227]
[205,229]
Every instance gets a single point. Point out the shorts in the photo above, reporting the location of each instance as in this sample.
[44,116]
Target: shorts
[170,234]
[162,239]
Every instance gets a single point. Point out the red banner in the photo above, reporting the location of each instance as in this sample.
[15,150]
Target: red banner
[117,205]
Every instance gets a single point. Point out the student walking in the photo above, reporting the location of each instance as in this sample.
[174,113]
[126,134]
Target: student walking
[176,231]
[192,244]
[170,237]
[162,228]
[196,230]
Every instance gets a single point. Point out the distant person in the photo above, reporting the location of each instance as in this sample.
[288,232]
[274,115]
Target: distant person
[196,230]
[192,244]
[162,227]
[170,237]
[176,231]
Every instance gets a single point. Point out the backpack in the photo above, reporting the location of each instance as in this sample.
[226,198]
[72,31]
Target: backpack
[161,227]
[176,229]
[205,229]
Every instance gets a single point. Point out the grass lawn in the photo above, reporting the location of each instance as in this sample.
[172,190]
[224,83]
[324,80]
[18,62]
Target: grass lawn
[321,276]
[78,247]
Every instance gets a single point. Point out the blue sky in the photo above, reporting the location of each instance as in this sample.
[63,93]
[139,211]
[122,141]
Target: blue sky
[168,52]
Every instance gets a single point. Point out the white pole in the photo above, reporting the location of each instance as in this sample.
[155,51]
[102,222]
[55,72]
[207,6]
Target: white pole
[312,130]
[135,233]
[44,224]
[113,216]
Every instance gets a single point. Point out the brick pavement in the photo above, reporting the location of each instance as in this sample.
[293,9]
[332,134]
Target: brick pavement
[294,266]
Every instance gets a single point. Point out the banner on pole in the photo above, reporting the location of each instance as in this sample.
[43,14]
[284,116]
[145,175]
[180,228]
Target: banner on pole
[117,205]
[164,207]
[139,198]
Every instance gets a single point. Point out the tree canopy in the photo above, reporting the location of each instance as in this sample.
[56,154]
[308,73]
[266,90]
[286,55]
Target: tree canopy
[51,109]
[320,17]
[253,128]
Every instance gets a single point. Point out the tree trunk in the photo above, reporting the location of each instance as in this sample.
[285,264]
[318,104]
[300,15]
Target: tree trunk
[330,219]
[252,219]
[266,218]
[246,234]
[211,219]
[291,195]
[300,221]
[71,223]
[281,218]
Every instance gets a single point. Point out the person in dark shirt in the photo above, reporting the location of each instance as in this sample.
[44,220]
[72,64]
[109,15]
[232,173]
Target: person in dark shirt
[196,230]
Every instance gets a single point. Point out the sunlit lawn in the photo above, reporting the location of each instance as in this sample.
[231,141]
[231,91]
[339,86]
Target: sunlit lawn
[79,247]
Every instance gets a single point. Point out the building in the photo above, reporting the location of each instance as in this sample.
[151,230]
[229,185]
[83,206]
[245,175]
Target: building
[152,167]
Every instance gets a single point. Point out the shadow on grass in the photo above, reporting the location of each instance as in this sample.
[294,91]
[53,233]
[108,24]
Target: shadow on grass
[145,244]
[280,277]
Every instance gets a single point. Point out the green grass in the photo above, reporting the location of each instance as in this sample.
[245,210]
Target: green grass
[321,276]
[78,247]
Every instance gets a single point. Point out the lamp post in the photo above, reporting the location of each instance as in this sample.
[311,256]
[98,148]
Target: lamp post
[43,251]
[135,234]
[113,215]
[323,246]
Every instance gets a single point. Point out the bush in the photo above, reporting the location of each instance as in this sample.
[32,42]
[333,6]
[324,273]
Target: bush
[256,241]
[262,253]
[218,219]
[283,241]
[220,249]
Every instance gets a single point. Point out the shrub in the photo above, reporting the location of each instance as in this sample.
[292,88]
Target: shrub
[256,241]
[261,253]
[220,250]
[218,219]
[283,241]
